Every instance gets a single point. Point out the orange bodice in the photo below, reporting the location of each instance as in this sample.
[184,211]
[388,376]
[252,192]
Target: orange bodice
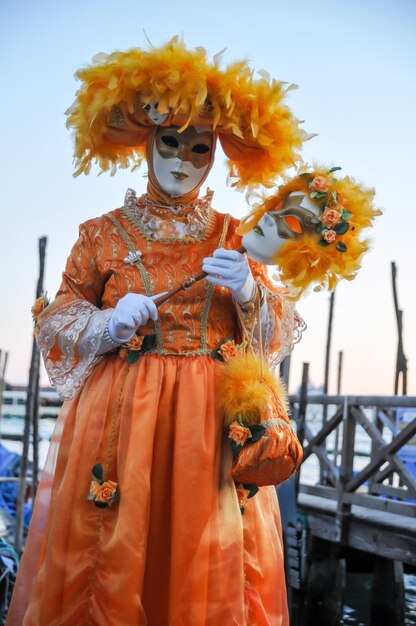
[195,321]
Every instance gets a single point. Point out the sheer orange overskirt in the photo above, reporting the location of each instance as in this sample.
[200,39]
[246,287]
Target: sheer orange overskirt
[174,550]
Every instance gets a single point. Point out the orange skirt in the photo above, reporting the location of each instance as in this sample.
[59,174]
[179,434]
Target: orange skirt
[174,550]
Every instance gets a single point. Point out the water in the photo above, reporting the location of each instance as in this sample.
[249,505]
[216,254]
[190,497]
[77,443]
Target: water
[358,589]
[357,600]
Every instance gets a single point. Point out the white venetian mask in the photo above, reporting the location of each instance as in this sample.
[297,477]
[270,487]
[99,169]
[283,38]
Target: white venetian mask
[181,161]
[275,228]
[151,110]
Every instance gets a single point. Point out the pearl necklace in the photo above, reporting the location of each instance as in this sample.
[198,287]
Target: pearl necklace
[178,210]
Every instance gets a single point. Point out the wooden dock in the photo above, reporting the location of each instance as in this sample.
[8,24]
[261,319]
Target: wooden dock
[371,509]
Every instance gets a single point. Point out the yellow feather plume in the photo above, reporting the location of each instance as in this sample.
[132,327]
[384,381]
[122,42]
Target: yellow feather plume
[259,134]
[249,391]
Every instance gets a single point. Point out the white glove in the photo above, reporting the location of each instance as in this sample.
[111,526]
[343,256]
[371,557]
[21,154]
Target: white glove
[131,312]
[230,269]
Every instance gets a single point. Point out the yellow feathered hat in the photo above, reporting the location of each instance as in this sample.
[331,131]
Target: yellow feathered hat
[258,133]
[332,246]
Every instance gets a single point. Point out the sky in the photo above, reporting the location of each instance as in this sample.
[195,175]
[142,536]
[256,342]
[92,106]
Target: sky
[354,63]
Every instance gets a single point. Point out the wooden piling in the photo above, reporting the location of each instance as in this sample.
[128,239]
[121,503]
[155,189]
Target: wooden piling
[303,402]
[387,593]
[31,417]
[3,365]
[325,584]
[401,361]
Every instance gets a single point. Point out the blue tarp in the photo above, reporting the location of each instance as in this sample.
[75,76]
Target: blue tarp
[9,466]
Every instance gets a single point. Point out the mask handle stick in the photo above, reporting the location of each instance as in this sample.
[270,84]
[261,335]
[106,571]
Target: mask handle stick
[186,284]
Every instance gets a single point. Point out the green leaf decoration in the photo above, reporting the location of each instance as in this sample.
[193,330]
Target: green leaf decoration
[149,342]
[346,215]
[334,196]
[253,489]
[257,229]
[98,472]
[133,356]
[320,194]
[313,194]
[341,247]
[257,432]
[341,228]
[100,505]
[335,169]
[323,243]
[320,227]
[216,355]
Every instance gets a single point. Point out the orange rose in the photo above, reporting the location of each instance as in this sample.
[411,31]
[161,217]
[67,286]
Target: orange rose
[329,235]
[330,217]
[135,343]
[242,495]
[95,488]
[239,433]
[229,350]
[320,183]
[105,492]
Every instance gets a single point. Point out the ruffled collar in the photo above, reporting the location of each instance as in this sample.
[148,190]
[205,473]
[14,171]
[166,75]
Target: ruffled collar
[188,222]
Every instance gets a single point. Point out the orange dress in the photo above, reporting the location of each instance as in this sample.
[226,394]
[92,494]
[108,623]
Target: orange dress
[174,550]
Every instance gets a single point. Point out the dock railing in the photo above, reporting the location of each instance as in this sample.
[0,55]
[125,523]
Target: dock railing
[381,494]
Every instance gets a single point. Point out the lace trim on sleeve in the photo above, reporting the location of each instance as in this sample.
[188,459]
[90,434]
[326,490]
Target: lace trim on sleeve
[69,339]
[289,327]
[281,326]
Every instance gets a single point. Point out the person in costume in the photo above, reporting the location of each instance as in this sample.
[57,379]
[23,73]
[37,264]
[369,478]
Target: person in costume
[138,519]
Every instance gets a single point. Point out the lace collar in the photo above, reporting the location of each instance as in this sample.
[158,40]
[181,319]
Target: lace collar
[166,227]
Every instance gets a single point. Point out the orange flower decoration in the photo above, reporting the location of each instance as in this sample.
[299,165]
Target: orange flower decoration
[242,495]
[330,217]
[320,183]
[135,343]
[239,433]
[40,304]
[229,350]
[102,492]
[329,235]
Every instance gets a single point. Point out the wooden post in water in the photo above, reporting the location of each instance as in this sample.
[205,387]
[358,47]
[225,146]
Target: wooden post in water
[303,402]
[322,476]
[336,444]
[285,370]
[401,361]
[387,593]
[31,416]
[325,584]
[3,365]
[328,344]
